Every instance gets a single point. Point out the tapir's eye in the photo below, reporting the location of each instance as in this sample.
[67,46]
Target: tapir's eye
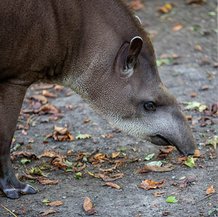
[149,106]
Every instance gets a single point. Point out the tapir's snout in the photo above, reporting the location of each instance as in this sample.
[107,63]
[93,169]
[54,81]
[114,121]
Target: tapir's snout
[186,146]
[176,133]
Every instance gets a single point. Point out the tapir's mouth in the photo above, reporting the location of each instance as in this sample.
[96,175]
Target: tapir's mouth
[162,141]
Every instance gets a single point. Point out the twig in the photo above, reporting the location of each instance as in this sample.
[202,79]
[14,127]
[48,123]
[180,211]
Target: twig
[208,196]
[8,210]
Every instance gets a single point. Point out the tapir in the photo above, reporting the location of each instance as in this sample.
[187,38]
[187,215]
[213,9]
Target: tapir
[100,50]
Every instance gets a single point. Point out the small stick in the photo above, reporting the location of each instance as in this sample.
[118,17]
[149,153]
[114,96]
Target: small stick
[8,210]
[208,196]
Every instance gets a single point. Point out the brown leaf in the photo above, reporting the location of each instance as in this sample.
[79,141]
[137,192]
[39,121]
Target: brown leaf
[111,169]
[113,185]
[62,134]
[164,152]
[56,203]
[45,181]
[39,98]
[111,178]
[177,27]
[58,87]
[187,181]
[98,158]
[150,184]
[50,154]
[193,94]
[189,2]
[197,153]
[136,5]
[181,159]
[26,154]
[158,193]
[165,9]
[210,190]
[169,56]
[88,206]
[48,212]
[147,168]
[48,109]
[58,159]
[42,180]
[46,93]
[198,47]
[115,155]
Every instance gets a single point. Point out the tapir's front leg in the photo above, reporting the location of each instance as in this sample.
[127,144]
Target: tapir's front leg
[11,98]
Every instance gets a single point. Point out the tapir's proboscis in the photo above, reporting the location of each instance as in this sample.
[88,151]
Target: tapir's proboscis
[97,48]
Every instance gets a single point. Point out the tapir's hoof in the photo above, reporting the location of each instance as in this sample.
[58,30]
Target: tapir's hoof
[11,193]
[27,190]
[13,188]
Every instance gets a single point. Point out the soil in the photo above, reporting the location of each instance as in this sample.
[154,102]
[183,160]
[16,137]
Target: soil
[191,76]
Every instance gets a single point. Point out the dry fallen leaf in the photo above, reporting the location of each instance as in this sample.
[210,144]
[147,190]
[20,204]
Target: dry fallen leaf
[177,27]
[158,193]
[39,98]
[136,5]
[58,87]
[210,190]
[165,9]
[62,134]
[50,154]
[48,212]
[111,178]
[46,93]
[150,184]
[25,154]
[195,2]
[115,155]
[48,109]
[45,181]
[42,180]
[88,206]
[197,153]
[165,151]
[56,203]
[112,185]
[98,158]
[148,168]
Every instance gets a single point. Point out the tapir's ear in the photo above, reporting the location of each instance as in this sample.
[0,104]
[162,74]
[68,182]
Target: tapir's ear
[134,50]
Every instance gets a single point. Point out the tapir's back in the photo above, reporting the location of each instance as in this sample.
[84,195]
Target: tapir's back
[32,33]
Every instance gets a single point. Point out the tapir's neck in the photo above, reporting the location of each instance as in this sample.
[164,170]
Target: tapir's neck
[104,26]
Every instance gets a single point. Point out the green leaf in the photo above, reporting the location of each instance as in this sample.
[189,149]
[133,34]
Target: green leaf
[196,28]
[36,171]
[171,199]
[46,201]
[78,175]
[16,147]
[149,156]
[155,163]
[190,162]
[68,163]
[69,169]
[195,106]
[122,149]
[213,141]
[213,212]
[83,136]
[25,161]
[164,61]
[212,13]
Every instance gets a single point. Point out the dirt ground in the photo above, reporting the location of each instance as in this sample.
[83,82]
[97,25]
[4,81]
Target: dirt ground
[185,42]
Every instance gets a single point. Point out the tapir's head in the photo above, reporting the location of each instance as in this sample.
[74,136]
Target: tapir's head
[135,100]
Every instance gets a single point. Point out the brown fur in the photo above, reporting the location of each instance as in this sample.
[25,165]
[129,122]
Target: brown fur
[85,45]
